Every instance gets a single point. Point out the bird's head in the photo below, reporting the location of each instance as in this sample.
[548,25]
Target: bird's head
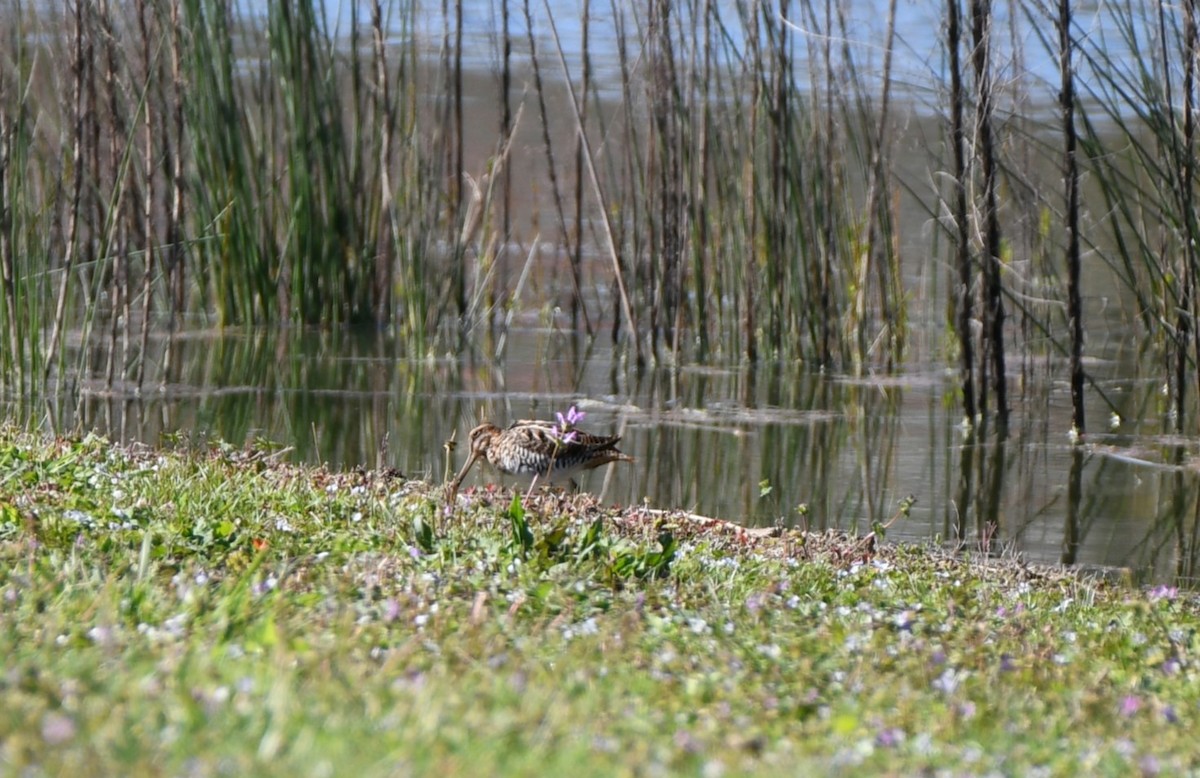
[481,438]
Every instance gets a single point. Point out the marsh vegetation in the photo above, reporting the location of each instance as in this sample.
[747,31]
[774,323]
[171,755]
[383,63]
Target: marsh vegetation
[671,185]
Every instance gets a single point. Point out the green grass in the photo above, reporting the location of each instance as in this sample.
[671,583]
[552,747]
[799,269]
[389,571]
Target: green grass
[215,612]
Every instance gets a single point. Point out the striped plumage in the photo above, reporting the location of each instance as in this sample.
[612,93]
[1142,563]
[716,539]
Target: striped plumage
[530,449]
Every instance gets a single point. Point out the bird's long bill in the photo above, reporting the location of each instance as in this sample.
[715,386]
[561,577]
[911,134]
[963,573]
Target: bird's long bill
[463,473]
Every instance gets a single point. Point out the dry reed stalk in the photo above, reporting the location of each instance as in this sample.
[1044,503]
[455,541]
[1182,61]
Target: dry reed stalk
[1186,315]
[578,304]
[964,297]
[701,165]
[981,18]
[1071,182]
[174,215]
[456,167]
[632,175]
[1191,50]
[666,171]
[79,111]
[827,222]
[15,359]
[382,106]
[500,284]
[117,222]
[148,190]
[750,203]
[776,219]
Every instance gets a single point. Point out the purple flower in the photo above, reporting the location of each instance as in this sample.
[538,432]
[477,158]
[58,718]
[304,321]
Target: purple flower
[684,741]
[1130,705]
[391,610]
[1163,593]
[889,737]
[57,728]
[566,425]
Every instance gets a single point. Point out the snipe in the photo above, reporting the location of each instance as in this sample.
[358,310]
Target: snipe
[541,450]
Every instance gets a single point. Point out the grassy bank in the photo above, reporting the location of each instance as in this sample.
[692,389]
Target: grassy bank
[217,612]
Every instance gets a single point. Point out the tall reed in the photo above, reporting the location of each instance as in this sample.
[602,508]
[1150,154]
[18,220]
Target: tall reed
[250,168]
[1071,217]
[732,193]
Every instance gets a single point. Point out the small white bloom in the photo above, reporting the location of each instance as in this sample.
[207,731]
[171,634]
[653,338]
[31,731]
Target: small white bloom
[948,681]
[100,635]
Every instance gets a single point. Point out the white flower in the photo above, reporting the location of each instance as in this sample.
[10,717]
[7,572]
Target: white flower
[948,681]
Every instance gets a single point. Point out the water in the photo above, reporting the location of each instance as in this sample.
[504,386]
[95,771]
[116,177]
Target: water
[918,53]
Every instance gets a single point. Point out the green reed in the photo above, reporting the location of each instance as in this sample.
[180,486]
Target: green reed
[264,168]
[733,193]
[119,194]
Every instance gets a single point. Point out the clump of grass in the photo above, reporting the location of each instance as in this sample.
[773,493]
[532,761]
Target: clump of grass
[215,610]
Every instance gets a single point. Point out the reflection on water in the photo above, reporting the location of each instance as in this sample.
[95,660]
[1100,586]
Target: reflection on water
[719,440]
